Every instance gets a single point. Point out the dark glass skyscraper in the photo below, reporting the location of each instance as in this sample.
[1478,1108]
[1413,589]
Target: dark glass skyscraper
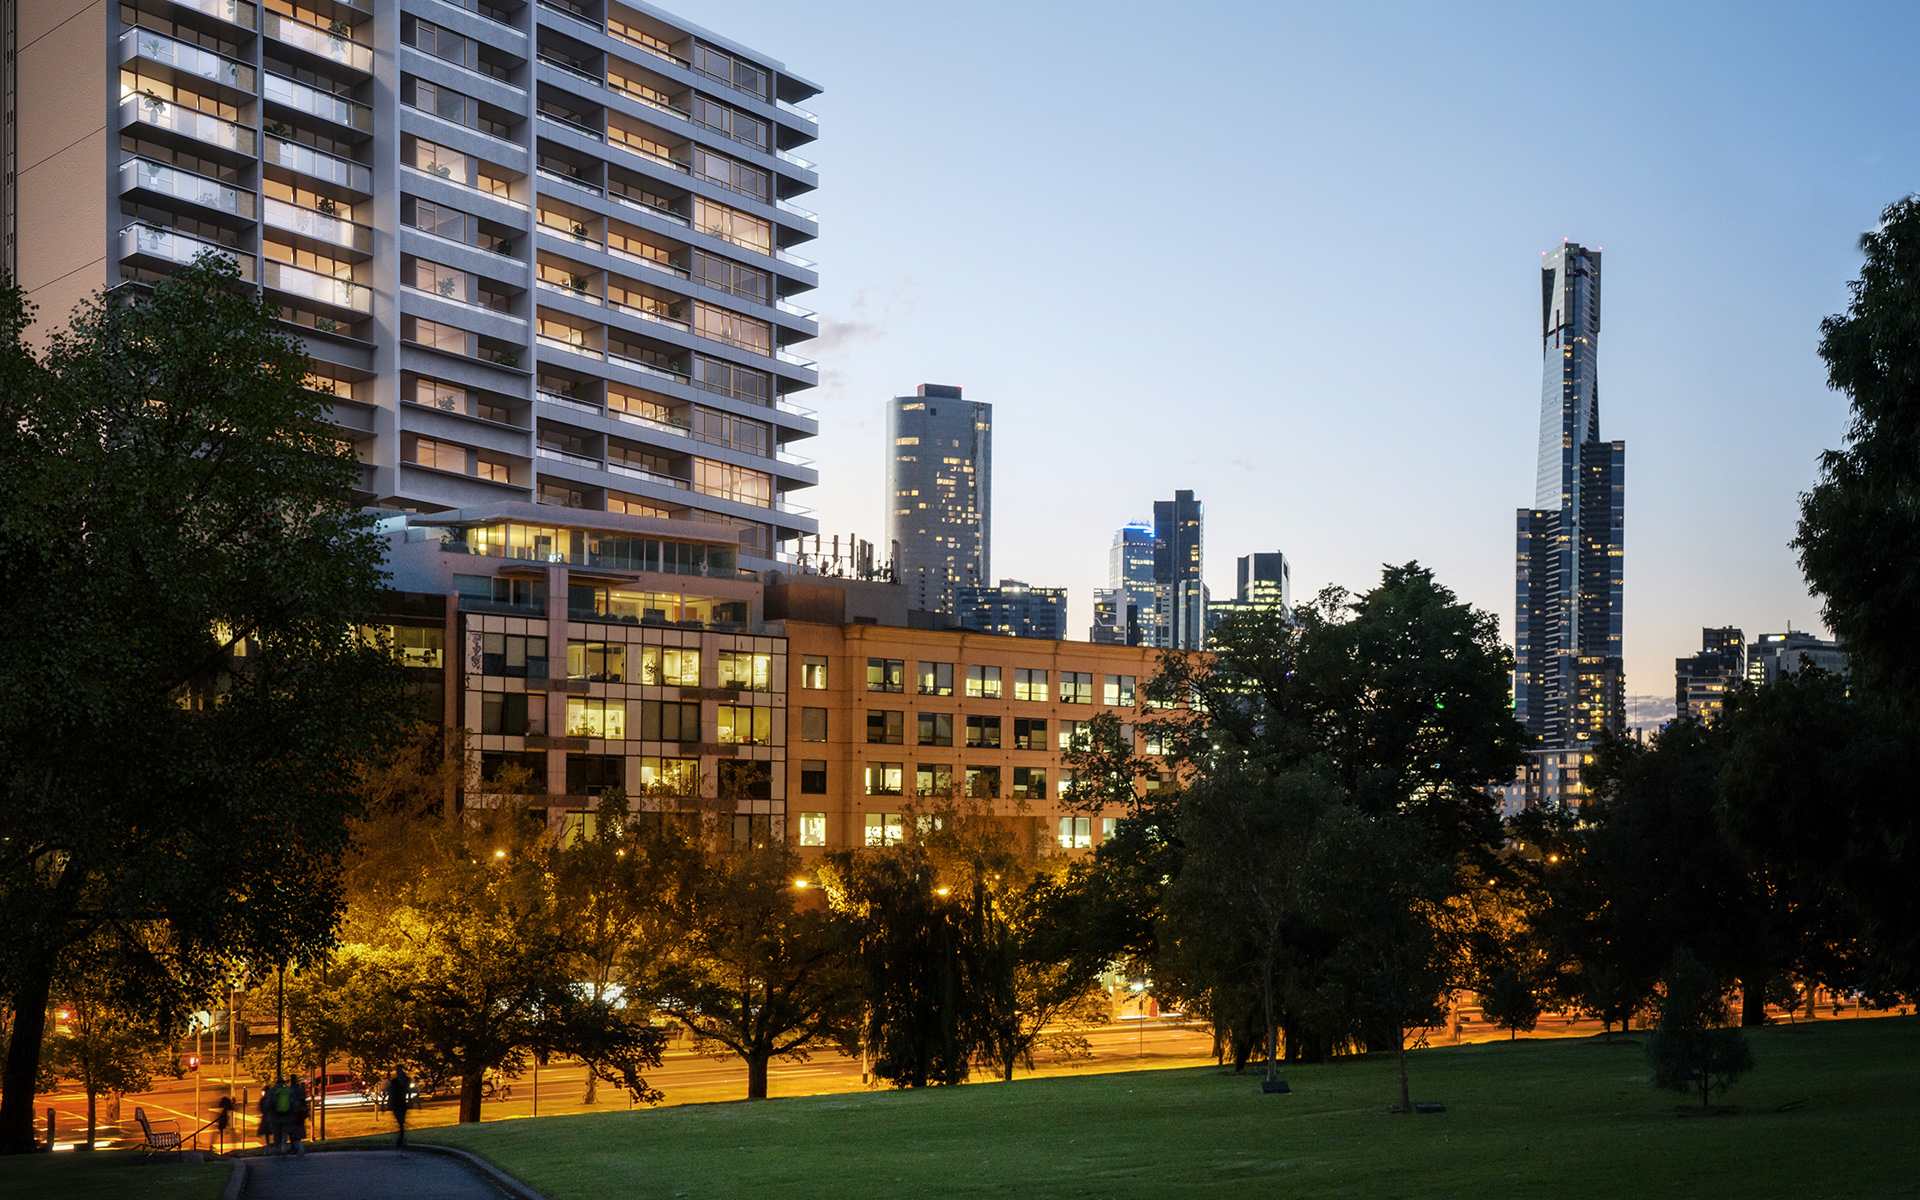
[1568,686]
[1180,595]
[939,525]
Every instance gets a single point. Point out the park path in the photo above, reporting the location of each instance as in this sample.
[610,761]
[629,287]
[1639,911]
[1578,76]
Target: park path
[366,1175]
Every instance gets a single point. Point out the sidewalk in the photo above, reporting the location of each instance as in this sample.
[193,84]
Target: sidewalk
[365,1175]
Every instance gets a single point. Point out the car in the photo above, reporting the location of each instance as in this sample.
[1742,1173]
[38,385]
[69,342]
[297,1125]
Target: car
[338,1089]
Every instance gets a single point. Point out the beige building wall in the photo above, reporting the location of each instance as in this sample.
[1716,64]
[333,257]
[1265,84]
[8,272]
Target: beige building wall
[62,149]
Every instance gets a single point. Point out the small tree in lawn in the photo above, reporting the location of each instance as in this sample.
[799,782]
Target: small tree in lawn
[108,1046]
[1511,1002]
[1693,1047]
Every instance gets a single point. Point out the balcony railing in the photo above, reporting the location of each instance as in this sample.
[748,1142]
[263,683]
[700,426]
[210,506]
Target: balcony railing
[343,293]
[307,161]
[338,47]
[789,357]
[650,102]
[794,310]
[203,127]
[325,105]
[672,481]
[318,225]
[576,293]
[567,456]
[186,58]
[664,268]
[615,138]
[678,428]
[554,343]
[637,44]
[570,69]
[154,242]
[237,11]
[796,160]
[566,123]
[665,214]
[547,397]
[647,368]
[788,206]
[569,180]
[171,181]
[571,15]
[799,410]
[649,315]
[797,111]
[795,259]
[578,239]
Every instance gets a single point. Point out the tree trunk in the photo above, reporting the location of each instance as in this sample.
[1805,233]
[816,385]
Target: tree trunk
[470,1096]
[1753,999]
[1406,1098]
[23,1060]
[593,1082]
[1273,1034]
[757,1076]
[92,1123]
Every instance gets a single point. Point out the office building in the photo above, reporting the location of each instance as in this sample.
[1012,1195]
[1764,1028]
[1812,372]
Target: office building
[1116,618]
[1568,684]
[1262,583]
[1123,611]
[1179,592]
[538,252]
[1702,682]
[939,525]
[1775,654]
[1014,609]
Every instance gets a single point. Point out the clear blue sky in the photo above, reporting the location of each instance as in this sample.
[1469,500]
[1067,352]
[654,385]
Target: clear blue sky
[1287,256]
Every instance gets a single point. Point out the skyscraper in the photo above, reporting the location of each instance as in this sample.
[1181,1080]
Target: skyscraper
[1180,595]
[1568,686]
[1015,608]
[939,493]
[1264,583]
[538,252]
[1127,602]
[1702,681]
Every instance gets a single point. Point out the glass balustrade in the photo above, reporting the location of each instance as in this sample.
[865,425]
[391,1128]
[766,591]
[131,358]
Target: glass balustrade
[204,127]
[344,293]
[156,242]
[237,11]
[319,225]
[308,161]
[187,58]
[171,181]
[338,47]
[324,105]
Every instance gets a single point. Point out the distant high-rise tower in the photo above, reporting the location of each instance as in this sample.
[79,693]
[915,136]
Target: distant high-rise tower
[1180,596]
[1568,687]
[1263,583]
[939,493]
[1120,608]
[1702,682]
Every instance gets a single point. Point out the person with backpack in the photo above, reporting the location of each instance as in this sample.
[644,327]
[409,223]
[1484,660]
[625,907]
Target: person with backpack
[399,1096]
[276,1111]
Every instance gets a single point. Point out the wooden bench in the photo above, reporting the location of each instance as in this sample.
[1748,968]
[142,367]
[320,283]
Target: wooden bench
[167,1138]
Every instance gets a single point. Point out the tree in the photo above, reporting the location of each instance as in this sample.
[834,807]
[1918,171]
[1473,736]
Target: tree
[753,970]
[1038,971]
[1512,1002]
[108,1045]
[184,720]
[1693,1046]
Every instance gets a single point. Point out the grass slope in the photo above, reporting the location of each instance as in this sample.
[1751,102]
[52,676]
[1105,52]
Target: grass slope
[109,1175]
[1532,1118]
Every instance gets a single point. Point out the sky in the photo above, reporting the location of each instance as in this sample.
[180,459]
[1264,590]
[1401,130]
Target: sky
[1286,256]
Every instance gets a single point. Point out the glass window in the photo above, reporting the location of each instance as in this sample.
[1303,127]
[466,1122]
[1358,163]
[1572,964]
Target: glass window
[886,675]
[513,714]
[1069,730]
[936,679]
[813,778]
[593,717]
[441,456]
[1076,687]
[983,681]
[600,662]
[813,673]
[669,721]
[813,826]
[884,829]
[883,778]
[744,726]
[668,666]
[983,731]
[1029,685]
[1029,734]
[886,727]
[748,672]
[933,779]
[1107,826]
[813,724]
[983,783]
[1029,783]
[669,776]
[591,774]
[513,656]
[1119,690]
[936,729]
[1076,833]
[1068,778]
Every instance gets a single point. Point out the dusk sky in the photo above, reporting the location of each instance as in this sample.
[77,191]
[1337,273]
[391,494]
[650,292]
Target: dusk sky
[1286,256]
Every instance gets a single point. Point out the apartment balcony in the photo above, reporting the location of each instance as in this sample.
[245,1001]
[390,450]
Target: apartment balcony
[148,245]
[327,168]
[335,48]
[238,12]
[187,63]
[325,289]
[646,476]
[197,130]
[318,225]
[159,179]
[326,106]
[567,456]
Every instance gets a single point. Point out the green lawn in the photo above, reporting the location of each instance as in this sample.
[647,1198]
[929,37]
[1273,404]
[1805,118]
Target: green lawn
[109,1175]
[1832,1110]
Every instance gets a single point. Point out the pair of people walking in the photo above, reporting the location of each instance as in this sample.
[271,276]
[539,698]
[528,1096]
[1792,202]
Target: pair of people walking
[283,1115]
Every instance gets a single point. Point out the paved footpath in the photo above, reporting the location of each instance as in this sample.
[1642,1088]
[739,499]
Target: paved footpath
[366,1175]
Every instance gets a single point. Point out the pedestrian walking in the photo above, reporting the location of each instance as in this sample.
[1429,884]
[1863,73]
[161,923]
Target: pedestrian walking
[298,1111]
[275,1101]
[399,1090]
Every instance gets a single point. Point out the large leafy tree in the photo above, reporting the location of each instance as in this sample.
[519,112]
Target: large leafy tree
[182,711]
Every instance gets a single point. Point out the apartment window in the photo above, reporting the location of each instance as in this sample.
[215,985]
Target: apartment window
[599,662]
[669,667]
[440,280]
[730,224]
[591,774]
[813,826]
[746,671]
[883,778]
[884,829]
[1029,685]
[593,717]
[444,43]
[1076,833]
[742,383]
[562,495]
[936,679]
[437,335]
[729,70]
[885,727]
[442,456]
[1107,827]
[513,656]
[439,160]
[728,276]
[983,731]
[489,468]
[813,672]
[446,397]
[1119,690]
[813,724]
[983,783]
[669,721]
[728,482]
[730,122]
[813,777]
[886,675]
[933,779]
[936,729]
[1076,687]
[509,713]
[1071,731]
[731,328]
[741,725]
[1069,780]
[983,682]
[1029,783]
[669,776]
[1029,734]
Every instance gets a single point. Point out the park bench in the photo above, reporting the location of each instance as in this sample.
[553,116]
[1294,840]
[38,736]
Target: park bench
[157,1139]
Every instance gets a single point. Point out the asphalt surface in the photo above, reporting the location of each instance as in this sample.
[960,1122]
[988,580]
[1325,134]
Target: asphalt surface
[366,1175]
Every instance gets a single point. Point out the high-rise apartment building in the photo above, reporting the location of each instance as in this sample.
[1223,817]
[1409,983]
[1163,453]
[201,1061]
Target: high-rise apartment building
[537,251]
[1702,682]
[939,494]
[1568,686]
[1180,595]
